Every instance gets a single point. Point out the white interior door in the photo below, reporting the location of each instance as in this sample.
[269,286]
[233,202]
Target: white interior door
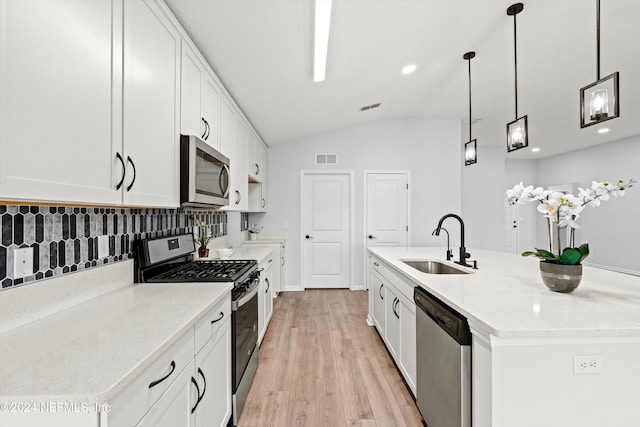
[387,209]
[511,229]
[326,230]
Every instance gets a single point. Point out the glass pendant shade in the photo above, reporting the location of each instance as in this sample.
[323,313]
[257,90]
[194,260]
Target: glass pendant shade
[470,153]
[517,134]
[599,101]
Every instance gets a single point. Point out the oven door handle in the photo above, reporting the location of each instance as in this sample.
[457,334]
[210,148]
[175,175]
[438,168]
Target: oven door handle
[235,305]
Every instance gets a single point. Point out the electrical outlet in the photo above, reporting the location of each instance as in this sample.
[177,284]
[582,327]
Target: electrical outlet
[103,246]
[587,364]
[22,263]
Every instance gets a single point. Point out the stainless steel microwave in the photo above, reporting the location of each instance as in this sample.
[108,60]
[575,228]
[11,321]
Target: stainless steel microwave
[204,174]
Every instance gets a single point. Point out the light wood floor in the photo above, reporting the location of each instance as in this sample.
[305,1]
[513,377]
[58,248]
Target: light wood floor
[321,365]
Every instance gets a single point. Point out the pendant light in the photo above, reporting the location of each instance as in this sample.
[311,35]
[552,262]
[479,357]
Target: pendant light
[470,148]
[599,101]
[517,130]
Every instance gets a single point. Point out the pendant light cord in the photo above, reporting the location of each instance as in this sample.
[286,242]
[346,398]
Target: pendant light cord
[515,61]
[598,37]
[469,99]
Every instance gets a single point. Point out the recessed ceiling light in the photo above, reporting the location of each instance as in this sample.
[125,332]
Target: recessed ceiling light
[408,69]
[321,39]
[603,130]
[535,149]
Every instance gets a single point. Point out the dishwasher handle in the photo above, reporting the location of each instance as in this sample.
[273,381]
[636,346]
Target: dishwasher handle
[449,320]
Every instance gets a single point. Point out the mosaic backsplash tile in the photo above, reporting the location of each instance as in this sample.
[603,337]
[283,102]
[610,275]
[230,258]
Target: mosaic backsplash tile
[244,221]
[65,239]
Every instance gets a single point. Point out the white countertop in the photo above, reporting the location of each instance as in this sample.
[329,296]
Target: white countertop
[506,298]
[257,253]
[89,352]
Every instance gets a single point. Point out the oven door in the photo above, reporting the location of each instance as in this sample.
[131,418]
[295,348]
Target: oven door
[244,321]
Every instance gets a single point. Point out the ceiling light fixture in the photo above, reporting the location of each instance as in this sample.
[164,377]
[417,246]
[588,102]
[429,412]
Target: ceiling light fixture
[470,148]
[321,40]
[409,69]
[603,130]
[599,101]
[517,130]
[535,149]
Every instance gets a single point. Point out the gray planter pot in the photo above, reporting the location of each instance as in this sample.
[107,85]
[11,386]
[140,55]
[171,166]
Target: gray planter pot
[560,277]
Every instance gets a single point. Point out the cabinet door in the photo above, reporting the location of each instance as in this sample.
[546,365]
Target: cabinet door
[392,319]
[252,166]
[151,91]
[262,326]
[280,281]
[407,313]
[191,122]
[174,407]
[58,122]
[378,302]
[228,134]
[213,367]
[239,168]
[261,151]
[211,115]
[268,298]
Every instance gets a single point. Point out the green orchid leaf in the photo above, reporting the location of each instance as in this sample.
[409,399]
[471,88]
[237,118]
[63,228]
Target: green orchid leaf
[542,254]
[570,256]
[584,251]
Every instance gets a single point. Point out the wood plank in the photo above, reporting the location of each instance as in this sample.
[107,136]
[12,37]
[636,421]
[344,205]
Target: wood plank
[321,365]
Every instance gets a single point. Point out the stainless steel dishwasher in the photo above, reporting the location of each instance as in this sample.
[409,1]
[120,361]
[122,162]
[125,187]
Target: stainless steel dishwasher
[443,387]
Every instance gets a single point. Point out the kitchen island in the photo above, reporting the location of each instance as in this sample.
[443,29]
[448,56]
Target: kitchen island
[527,341]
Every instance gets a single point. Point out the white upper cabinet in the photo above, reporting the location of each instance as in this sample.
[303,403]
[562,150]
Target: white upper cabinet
[256,158]
[56,137]
[200,98]
[151,93]
[233,143]
[211,115]
[191,96]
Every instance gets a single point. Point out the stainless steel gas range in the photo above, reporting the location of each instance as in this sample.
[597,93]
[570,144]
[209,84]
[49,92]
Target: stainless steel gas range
[170,260]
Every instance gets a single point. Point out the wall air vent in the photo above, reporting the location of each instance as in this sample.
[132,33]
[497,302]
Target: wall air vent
[326,159]
[370,107]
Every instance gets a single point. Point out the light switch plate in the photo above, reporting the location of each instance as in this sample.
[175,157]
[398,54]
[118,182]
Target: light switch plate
[103,246]
[22,262]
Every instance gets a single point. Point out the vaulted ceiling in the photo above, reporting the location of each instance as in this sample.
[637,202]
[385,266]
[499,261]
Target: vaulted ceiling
[263,52]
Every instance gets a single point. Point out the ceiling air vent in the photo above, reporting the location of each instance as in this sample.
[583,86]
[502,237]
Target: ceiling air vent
[326,159]
[369,107]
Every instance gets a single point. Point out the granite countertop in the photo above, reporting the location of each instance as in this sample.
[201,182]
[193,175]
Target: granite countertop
[91,351]
[505,296]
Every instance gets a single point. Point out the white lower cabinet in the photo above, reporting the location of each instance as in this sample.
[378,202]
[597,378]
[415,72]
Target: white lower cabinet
[213,374]
[265,297]
[174,406]
[377,297]
[188,385]
[278,271]
[393,313]
[392,322]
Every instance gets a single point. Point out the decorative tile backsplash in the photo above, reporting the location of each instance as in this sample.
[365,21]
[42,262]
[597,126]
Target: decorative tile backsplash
[65,239]
[244,221]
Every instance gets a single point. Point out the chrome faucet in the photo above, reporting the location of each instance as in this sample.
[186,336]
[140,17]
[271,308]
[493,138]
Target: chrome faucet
[449,251]
[463,255]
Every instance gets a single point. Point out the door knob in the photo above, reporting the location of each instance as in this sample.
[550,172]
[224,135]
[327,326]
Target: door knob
[372,237]
[308,237]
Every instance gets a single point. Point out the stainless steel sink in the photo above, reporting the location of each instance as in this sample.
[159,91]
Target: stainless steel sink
[433,267]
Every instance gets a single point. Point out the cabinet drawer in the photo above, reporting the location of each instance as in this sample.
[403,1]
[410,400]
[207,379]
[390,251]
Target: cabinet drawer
[209,324]
[130,405]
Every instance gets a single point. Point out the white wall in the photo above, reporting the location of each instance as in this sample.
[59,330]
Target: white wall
[483,201]
[612,230]
[430,149]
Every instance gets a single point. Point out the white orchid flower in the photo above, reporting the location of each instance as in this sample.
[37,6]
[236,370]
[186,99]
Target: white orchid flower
[569,221]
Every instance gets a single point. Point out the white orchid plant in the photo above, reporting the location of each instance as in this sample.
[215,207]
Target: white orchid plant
[563,210]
